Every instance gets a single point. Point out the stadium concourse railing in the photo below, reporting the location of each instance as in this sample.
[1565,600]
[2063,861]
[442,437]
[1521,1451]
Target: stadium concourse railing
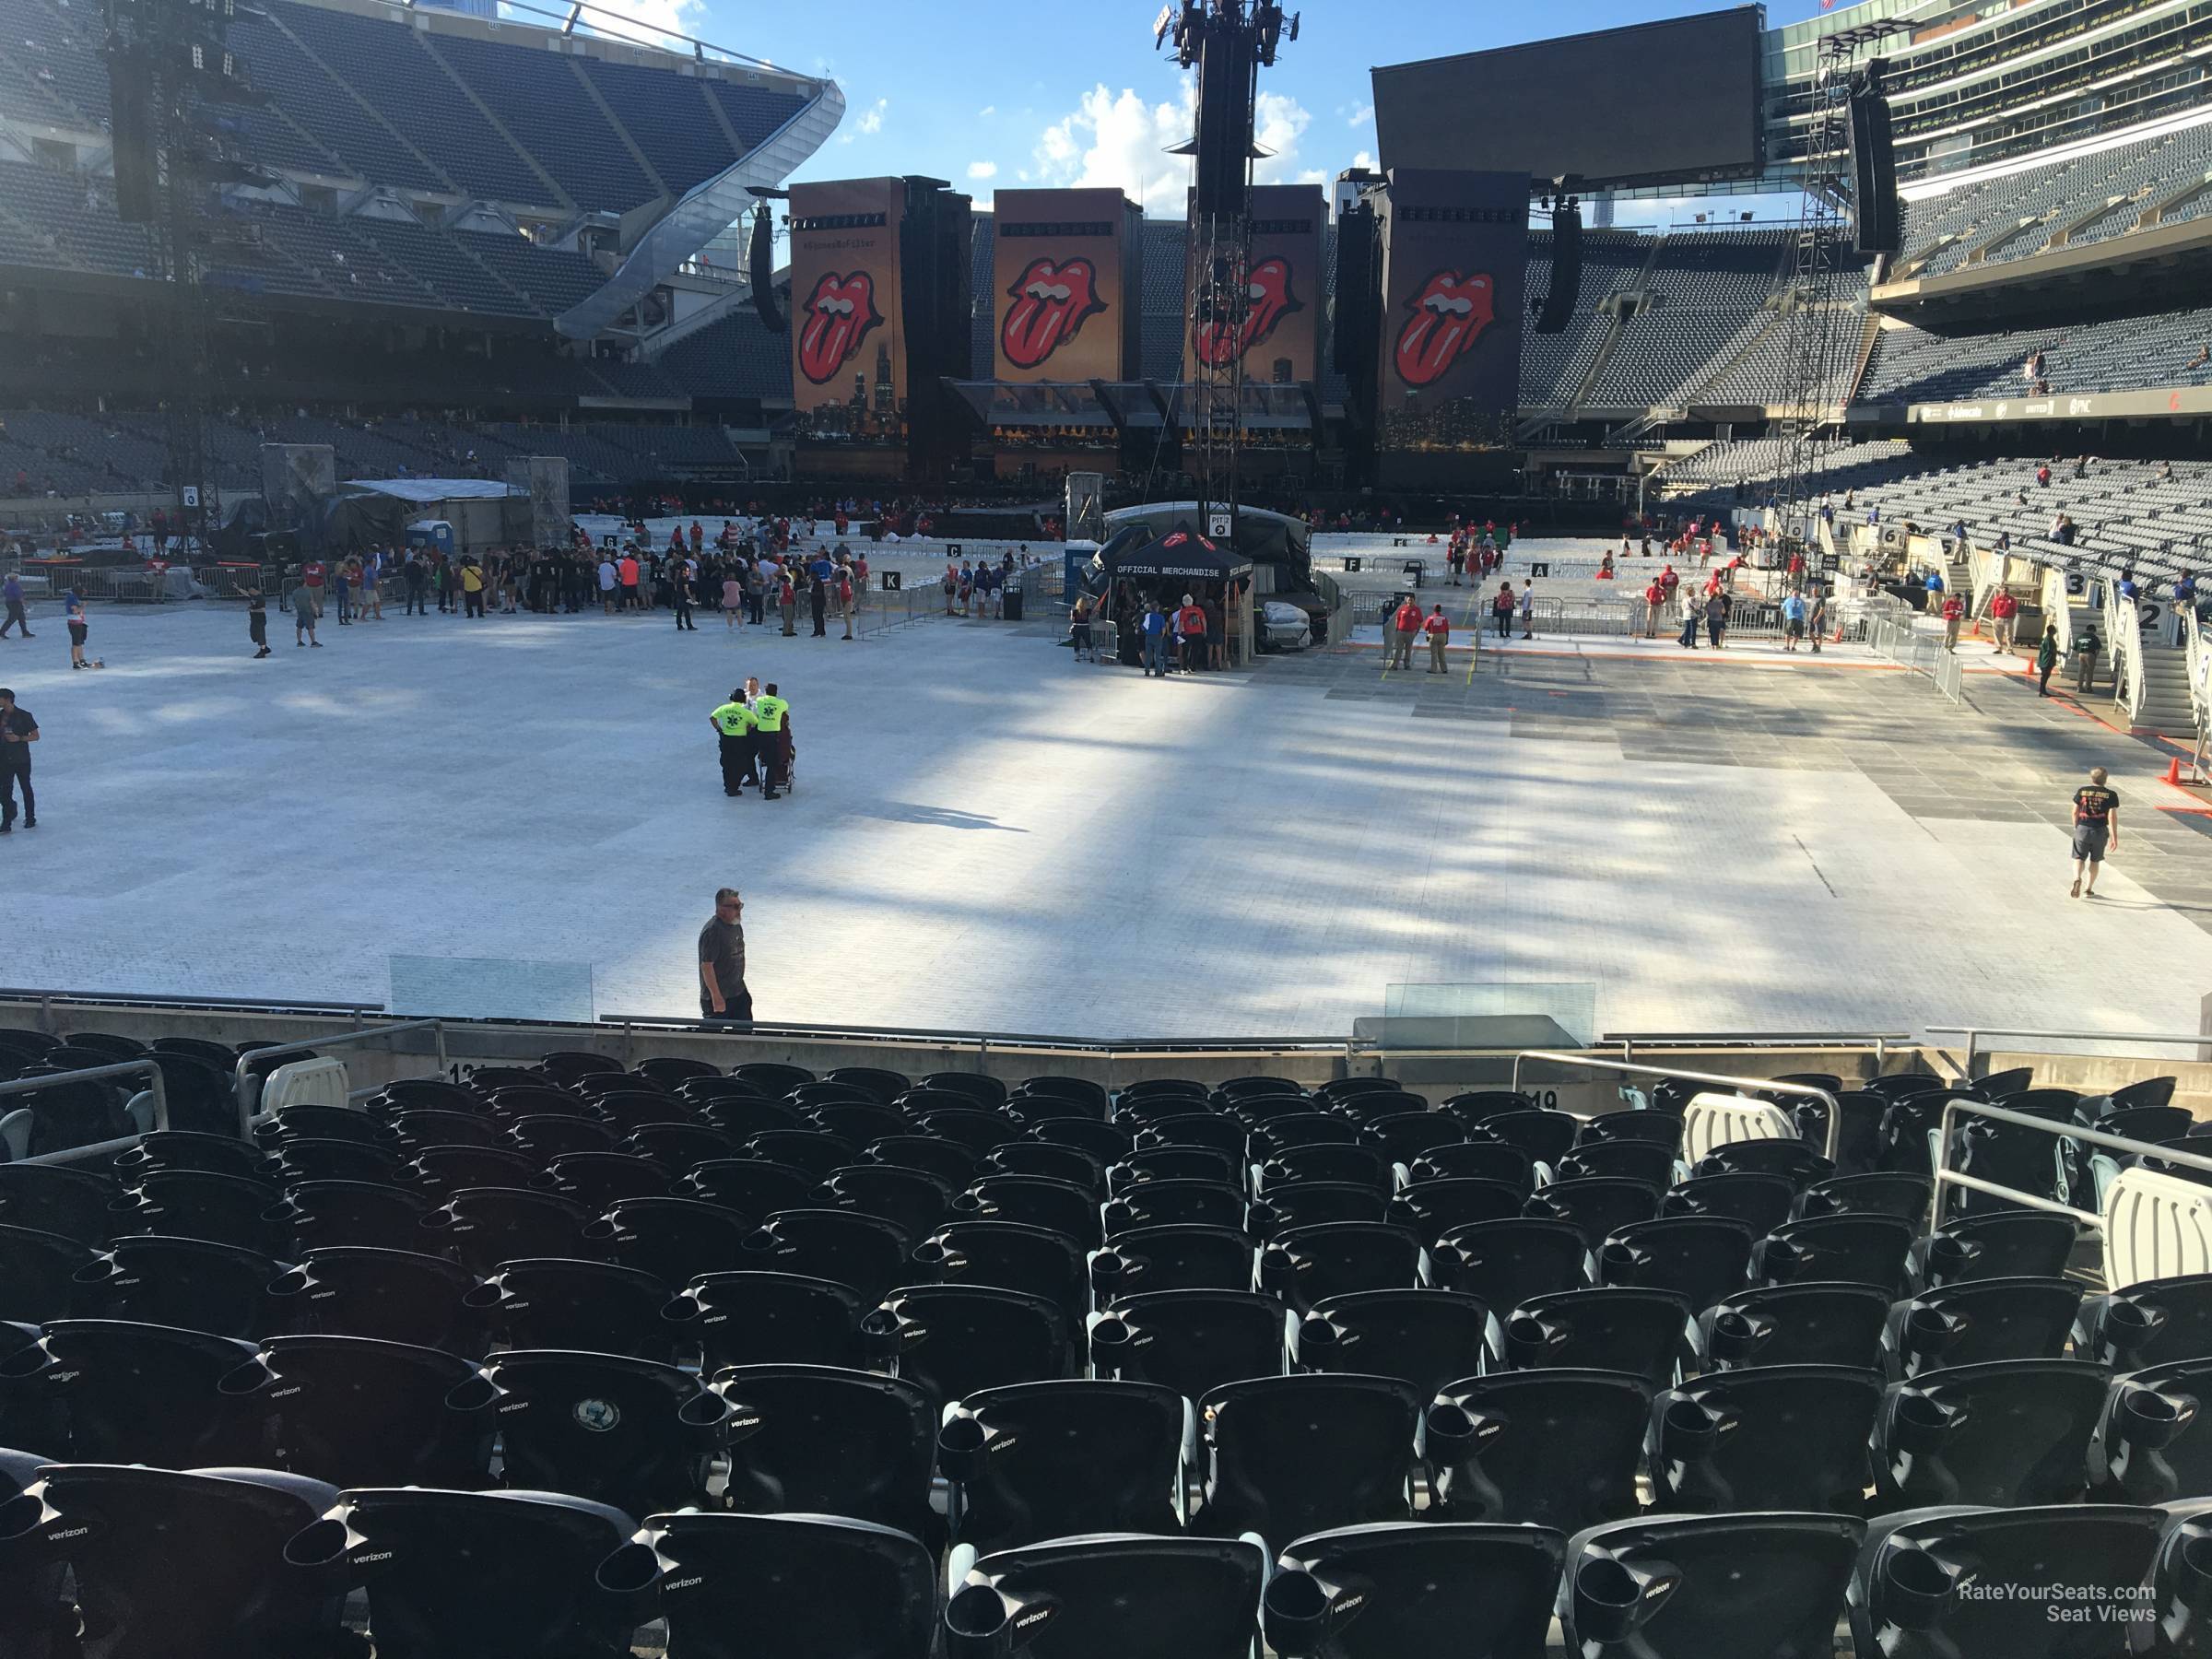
[246,1085]
[1973,1035]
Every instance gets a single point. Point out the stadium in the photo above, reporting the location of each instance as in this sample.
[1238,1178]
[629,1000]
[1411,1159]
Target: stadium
[1501,945]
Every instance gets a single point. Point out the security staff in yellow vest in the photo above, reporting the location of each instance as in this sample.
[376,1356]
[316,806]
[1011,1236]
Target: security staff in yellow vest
[733,725]
[772,718]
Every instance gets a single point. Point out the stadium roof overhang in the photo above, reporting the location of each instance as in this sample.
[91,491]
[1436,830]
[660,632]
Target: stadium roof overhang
[706,210]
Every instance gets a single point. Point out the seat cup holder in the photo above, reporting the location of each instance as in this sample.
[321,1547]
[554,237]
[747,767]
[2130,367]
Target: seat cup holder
[1949,1255]
[1527,1339]
[1294,1614]
[1922,1422]
[1917,1590]
[1320,1342]
[960,1444]
[2128,1327]
[978,1624]
[2191,1571]
[1608,1598]
[1689,1431]
[1449,1431]
[1617,1262]
[2154,1420]
[1737,1336]
[1928,1333]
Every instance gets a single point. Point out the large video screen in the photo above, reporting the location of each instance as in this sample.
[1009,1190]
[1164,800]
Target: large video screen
[1454,249]
[1677,100]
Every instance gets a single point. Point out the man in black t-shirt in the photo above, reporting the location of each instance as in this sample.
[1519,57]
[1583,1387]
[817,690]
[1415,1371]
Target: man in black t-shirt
[2096,830]
[18,731]
[721,993]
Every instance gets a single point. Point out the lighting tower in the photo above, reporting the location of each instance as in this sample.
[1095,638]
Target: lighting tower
[1229,42]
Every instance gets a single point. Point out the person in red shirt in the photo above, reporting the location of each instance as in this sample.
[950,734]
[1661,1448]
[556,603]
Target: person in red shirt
[311,575]
[698,536]
[1190,624]
[1669,582]
[626,570]
[2003,609]
[1404,627]
[1954,613]
[1438,630]
[1655,601]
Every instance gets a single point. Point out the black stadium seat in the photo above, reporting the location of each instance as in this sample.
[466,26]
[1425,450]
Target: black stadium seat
[566,1302]
[2012,1431]
[1702,1258]
[194,1283]
[1070,1599]
[1400,1590]
[824,1440]
[474,1575]
[87,1390]
[803,1585]
[1788,1437]
[1192,1341]
[2154,1442]
[2153,1321]
[1981,1319]
[354,1411]
[395,1296]
[1051,1460]
[1815,1323]
[1746,1586]
[1915,1586]
[1289,1455]
[178,1565]
[1427,1337]
[1171,1258]
[630,1432]
[752,1318]
[1307,1263]
[1638,1331]
[1507,1262]
[1553,1448]
[953,1340]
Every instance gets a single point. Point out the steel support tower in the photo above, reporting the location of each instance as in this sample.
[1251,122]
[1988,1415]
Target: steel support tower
[1229,42]
[1822,327]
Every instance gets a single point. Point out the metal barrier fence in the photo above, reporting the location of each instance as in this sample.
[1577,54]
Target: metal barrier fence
[1973,1035]
[149,1067]
[1834,1111]
[1556,617]
[246,1082]
[1890,633]
[2058,1130]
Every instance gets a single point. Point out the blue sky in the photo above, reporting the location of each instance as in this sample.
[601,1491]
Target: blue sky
[991,93]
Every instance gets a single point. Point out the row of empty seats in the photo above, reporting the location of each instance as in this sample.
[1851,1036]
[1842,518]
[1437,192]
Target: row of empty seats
[885,1364]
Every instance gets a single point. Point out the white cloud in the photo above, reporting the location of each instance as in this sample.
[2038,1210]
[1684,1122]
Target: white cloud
[1313,175]
[1360,115]
[987,110]
[982,169]
[870,122]
[1361,158]
[1119,139]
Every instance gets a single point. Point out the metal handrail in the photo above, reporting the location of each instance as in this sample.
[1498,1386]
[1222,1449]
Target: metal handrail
[2059,1129]
[1835,1107]
[93,1073]
[1973,1035]
[247,1088]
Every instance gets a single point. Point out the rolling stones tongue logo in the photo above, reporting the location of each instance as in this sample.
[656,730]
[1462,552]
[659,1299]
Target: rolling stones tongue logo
[1450,311]
[1050,303]
[1268,301]
[839,312]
